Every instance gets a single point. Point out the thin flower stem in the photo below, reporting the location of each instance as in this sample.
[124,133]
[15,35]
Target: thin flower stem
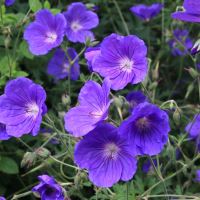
[158,173]
[22,195]
[170,176]
[68,165]
[122,17]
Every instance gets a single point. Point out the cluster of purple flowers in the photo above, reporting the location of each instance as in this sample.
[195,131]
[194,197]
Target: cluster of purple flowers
[107,152]
[47,31]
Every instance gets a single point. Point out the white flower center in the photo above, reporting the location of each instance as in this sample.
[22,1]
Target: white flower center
[97,114]
[76,26]
[32,110]
[51,37]
[65,68]
[126,64]
[111,150]
[142,123]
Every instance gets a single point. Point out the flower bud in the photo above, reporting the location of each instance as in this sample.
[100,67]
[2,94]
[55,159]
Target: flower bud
[29,159]
[42,152]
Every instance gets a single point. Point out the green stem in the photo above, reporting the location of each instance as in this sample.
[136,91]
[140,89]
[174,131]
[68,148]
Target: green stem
[122,17]
[170,176]
[22,195]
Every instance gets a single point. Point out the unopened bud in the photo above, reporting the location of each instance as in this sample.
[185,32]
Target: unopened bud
[177,117]
[193,73]
[42,152]
[29,159]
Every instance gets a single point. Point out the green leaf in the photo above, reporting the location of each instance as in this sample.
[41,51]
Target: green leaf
[23,49]
[35,5]
[8,165]
[47,4]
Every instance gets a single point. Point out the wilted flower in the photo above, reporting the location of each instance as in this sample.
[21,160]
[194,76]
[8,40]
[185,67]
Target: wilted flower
[59,65]
[22,106]
[80,21]
[3,134]
[191,12]
[91,54]
[106,156]
[181,42]
[9,2]
[146,129]
[122,59]
[49,189]
[145,12]
[45,33]
[93,108]
[134,98]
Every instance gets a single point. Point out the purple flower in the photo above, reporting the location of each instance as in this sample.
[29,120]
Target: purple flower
[134,98]
[193,128]
[59,65]
[197,175]
[79,22]
[22,106]
[45,33]
[147,166]
[146,129]
[2,198]
[181,42]
[92,109]
[49,189]
[145,12]
[3,134]
[91,54]
[106,156]
[122,59]
[9,2]
[191,11]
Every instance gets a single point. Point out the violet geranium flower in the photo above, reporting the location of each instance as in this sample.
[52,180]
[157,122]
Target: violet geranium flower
[9,2]
[136,97]
[3,134]
[193,129]
[146,129]
[22,106]
[59,66]
[106,156]
[181,42]
[191,11]
[122,59]
[80,21]
[145,12]
[45,33]
[92,109]
[49,189]
[91,54]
